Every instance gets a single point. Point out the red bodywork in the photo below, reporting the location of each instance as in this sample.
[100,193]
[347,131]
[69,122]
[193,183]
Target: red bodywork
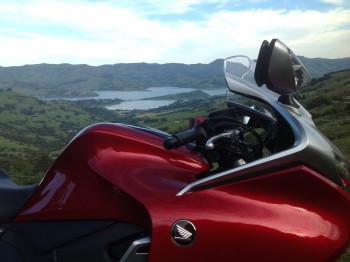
[121,173]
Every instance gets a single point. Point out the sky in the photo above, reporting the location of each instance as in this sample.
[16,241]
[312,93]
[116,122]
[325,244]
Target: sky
[97,32]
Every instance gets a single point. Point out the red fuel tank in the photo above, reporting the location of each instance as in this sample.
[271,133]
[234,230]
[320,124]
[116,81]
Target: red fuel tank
[105,172]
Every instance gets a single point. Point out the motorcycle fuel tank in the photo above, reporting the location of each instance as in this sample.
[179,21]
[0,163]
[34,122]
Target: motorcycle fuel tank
[105,171]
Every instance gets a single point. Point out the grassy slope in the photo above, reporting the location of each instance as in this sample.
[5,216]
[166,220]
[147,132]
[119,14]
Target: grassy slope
[32,131]
[177,119]
[329,103]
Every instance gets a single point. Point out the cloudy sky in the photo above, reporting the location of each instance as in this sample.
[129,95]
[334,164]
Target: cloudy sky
[164,31]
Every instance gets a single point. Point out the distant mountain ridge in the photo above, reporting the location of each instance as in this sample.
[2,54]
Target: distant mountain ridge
[319,66]
[80,80]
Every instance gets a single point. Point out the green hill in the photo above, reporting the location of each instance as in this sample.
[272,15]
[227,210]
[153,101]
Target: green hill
[328,100]
[68,80]
[57,80]
[317,67]
[32,130]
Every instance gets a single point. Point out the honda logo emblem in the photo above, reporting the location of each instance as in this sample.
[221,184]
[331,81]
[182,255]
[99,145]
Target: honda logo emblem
[183,233]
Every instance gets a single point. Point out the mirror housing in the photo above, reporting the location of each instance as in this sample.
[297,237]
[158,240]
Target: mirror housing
[280,69]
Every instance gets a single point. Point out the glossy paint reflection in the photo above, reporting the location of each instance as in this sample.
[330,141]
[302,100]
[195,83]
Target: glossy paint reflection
[58,189]
[285,218]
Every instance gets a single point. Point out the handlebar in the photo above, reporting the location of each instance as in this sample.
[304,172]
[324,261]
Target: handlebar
[183,138]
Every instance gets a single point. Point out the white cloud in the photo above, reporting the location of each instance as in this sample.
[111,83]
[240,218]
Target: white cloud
[105,33]
[309,33]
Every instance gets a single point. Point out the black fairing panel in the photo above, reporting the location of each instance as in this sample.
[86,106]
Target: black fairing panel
[99,246]
[43,236]
[9,253]
[67,240]
[12,196]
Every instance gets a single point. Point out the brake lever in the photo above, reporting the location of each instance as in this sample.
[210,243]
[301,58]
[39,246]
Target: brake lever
[210,142]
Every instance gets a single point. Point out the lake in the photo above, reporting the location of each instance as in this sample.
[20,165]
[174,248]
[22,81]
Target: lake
[140,104]
[138,99]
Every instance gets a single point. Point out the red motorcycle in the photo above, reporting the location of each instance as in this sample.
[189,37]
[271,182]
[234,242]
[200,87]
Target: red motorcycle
[256,181]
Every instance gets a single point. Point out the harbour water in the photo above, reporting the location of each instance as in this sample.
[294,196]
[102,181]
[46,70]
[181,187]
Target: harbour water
[138,99]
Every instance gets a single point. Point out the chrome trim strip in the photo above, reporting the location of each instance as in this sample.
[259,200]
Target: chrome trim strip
[238,171]
[131,252]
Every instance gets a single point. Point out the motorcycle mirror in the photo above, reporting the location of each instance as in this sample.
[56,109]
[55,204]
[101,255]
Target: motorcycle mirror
[279,68]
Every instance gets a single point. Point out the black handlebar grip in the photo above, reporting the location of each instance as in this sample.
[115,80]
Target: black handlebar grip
[183,138]
[187,136]
[171,143]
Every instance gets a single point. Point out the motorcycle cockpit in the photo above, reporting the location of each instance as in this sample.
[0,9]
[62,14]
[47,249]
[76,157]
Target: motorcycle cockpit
[255,124]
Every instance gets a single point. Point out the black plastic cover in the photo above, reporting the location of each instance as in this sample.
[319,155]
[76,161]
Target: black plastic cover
[12,196]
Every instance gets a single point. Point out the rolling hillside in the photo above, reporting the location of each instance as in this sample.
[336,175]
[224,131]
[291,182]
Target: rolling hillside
[328,100]
[79,80]
[32,131]
[52,80]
